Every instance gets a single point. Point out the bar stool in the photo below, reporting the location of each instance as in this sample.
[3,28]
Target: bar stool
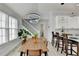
[57,35]
[66,44]
[58,42]
[53,40]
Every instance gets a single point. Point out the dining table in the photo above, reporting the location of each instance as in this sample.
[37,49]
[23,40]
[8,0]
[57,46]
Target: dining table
[34,44]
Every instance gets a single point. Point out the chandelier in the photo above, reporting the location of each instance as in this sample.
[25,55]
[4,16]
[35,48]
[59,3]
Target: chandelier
[32,17]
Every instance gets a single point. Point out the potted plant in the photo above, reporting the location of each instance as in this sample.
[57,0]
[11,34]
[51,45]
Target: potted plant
[20,32]
[23,33]
[35,37]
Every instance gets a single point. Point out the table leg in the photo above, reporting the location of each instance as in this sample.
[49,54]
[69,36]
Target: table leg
[27,52]
[21,53]
[56,43]
[45,53]
[53,41]
[71,48]
[62,44]
[78,49]
[52,38]
[66,46]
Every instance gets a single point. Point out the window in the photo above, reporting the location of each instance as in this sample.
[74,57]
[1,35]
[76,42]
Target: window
[12,28]
[8,28]
[2,27]
[67,22]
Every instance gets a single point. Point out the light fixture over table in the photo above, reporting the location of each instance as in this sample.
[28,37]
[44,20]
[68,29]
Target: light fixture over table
[32,17]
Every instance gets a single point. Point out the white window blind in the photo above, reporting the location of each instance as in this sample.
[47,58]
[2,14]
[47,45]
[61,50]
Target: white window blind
[8,28]
[2,27]
[13,28]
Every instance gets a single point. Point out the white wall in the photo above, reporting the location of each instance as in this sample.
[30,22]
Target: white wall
[48,21]
[51,26]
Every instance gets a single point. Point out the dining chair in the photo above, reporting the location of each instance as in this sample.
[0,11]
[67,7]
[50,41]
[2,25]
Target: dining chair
[34,52]
[53,40]
[58,42]
[56,35]
[74,45]
[66,44]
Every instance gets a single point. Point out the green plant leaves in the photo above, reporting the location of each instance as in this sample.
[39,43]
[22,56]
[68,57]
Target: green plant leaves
[23,33]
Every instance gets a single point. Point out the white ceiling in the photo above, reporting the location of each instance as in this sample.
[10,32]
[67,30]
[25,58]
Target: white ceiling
[44,8]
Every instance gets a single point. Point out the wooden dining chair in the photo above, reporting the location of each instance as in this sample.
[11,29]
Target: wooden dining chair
[74,45]
[54,36]
[53,40]
[58,41]
[34,52]
[66,44]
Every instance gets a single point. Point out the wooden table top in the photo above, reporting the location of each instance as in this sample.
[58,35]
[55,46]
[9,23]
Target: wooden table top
[31,44]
